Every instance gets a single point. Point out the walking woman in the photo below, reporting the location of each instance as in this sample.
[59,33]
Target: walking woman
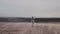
[32,20]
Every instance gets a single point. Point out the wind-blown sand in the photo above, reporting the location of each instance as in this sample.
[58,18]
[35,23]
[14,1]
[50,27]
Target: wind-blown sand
[26,28]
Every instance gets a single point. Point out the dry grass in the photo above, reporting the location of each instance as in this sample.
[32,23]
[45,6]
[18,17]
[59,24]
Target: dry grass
[41,28]
[25,28]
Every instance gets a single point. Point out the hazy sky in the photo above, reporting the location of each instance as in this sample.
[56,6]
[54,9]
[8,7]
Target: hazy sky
[28,8]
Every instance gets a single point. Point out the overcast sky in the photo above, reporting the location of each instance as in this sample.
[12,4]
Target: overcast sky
[28,8]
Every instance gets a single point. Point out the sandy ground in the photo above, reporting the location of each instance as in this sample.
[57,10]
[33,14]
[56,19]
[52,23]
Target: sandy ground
[26,28]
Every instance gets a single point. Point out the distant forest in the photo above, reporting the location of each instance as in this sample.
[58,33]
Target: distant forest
[14,19]
[23,19]
[47,19]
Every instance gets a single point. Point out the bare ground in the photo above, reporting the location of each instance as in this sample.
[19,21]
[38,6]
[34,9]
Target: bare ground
[26,28]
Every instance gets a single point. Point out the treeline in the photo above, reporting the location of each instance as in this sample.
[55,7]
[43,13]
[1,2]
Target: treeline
[23,19]
[47,19]
[14,19]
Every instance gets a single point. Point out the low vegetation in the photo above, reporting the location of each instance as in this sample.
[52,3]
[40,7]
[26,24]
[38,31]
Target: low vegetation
[26,28]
